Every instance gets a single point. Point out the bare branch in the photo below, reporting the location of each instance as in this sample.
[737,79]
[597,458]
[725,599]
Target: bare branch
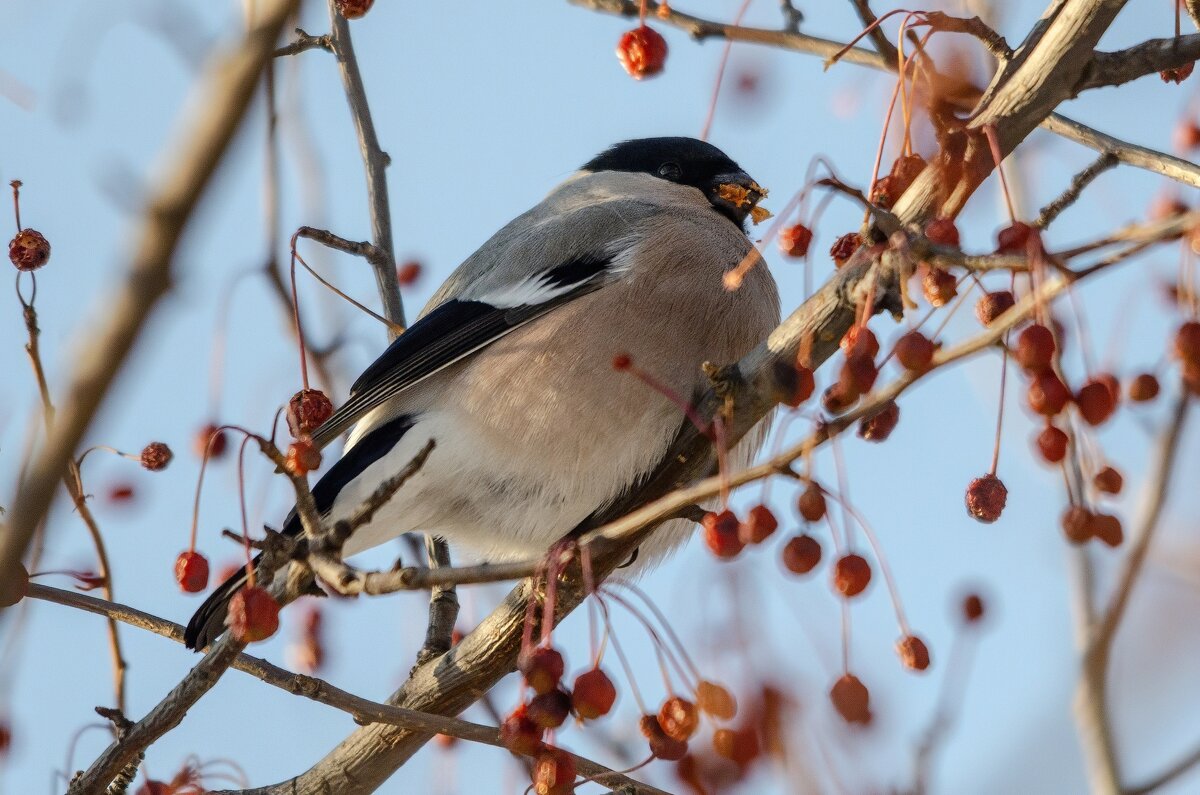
[1147,58]
[878,37]
[1184,765]
[1176,168]
[303,43]
[1080,181]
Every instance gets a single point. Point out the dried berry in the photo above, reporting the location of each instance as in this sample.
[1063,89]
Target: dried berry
[972,608]
[844,247]
[860,341]
[14,587]
[851,699]
[1108,480]
[191,571]
[759,525]
[550,709]
[1187,343]
[739,746]
[1052,444]
[939,286]
[942,232]
[1035,348]
[1077,524]
[1095,402]
[986,497]
[409,273]
[253,615]
[1178,74]
[857,375]
[155,456]
[836,398]
[302,457]
[593,695]
[678,718]
[307,410]
[851,575]
[520,734]
[1107,528]
[554,773]
[29,250]
[715,700]
[542,668]
[879,426]
[642,51]
[721,534]
[661,745]
[795,240]
[914,654]
[211,441]
[795,383]
[915,351]
[993,305]
[1015,239]
[1143,388]
[353,9]
[1047,394]
[812,502]
[801,554]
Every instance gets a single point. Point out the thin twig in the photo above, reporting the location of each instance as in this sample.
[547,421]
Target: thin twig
[1184,765]
[303,43]
[1080,181]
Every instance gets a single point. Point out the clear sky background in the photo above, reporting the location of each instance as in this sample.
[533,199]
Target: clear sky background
[483,107]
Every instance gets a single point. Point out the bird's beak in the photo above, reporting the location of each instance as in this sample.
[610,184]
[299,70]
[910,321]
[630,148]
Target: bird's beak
[737,195]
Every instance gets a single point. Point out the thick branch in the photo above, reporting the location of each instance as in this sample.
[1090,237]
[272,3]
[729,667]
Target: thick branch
[1147,58]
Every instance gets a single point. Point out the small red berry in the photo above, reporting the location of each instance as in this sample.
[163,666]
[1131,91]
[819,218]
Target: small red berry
[857,375]
[13,588]
[915,351]
[253,615]
[721,534]
[1052,444]
[661,745]
[1108,480]
[715,700]
[29,250]
[801,554]
[986,497]
[642,51]
[1107,528]
[1143,388]
[1035,348]
[155,456]
[795,383]
[942,232]
[121,492]
[851,699]
[972,608]
[879,426]
[1095,402]
[914,654]
[550,709]
[1077,524]
[739,746]
[191,571]
[353,9]
[844,247]
[678,718]
[795,240]
[759,525]
[409,273]
[542,668]
[860,341]
[939,286]
[1047,394]
[1014,239]
[851,575]
[993,305]
[812,502]
[838,397]
[303,457]
[554,773]
[622,362]
[593,695]
[307,410]
[1186,136]
[1187,343]
[1178,74]
[520,734]
[211,441]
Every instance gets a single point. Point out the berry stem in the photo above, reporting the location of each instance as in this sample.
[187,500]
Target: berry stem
[712,105]
[16,193]
[1000,409]
[661,651]
[662,620]
[296,316]
[994,145]
[637,694]
[241,475]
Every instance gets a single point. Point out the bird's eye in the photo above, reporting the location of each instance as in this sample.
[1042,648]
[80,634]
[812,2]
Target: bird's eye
[670,171]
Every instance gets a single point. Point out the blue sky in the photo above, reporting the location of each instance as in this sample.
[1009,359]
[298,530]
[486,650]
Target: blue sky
[483,107]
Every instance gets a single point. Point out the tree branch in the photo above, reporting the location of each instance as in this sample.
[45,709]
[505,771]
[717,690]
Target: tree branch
[1147,58]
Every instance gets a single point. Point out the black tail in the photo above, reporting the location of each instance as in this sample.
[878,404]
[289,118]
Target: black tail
[208,622]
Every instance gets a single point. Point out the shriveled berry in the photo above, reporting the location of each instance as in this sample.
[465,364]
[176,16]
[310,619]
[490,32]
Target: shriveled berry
[915,351]
[857,375]
[29,250]
[795,240]
[986,497]
[409,273]
[1107,528]
[550,709]
[1144,388]
[993,305]
[520,734]
[155,456]
[1014,239]
[542,668]
[1108,480]
[942,232]
[593,694]
[939,286]
[851,575]
[838,397]
[1095,402]
[353,9]
[253,615]
[1052,444]
[14,587]
[812,502]
[851,699]
[914,654]
[860,341]
[303,457]
[972,608]
[554,773]
[1187,343]
[715,700]
[844,247]
[740,746]
[191,571]
[678,718]
[661,745]
[879,426]
[801,554]
[307,410]
[1178,74]
[721,534]
[1047,394]
[795,383]
[1077,524]
[210,440]
[1035,348]
[642,51]
[759,525]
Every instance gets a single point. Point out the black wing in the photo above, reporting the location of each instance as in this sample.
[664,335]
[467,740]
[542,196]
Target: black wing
[456,329]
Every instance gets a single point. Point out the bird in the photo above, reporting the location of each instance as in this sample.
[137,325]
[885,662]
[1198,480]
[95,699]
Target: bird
[509,368]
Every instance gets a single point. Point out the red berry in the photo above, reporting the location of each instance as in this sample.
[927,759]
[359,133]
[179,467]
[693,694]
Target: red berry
[1186,136]
[844,247]
[155,456]
[986,497]
[29,250]
[838,397]
[1014,239]
[851,575]
[661,745]
[942,232]
[795,240]
[972,608]
[795,383]
[520,734]
[191,571]
[307,410]
[593,695]
[353,9]
[622,362]
[1035,348]
[759,525]
[253,615]
[721,534]
[879,426]
[915,351]
[678,718]
[1112,384]
[715,700]
[914,654]
[739,746]
[939,286]
[642,51]
[211,441]
[1077,524]
[14,587]
[1143,388]
[801,554]
[1107,528]
[1108,480]
[303,457]
[993,305]
[1178,74]
[860,341]
[1047,394]
[1187,343]
[554,773]
[550,709]
[1164,207]
[1095,401]
[542,668]
[851,699]
[857,375]
[1052,444]
[812,502]
[409,273]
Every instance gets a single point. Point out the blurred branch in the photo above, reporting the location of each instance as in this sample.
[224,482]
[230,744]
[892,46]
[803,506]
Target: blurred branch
[878,37]
[1176,770]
